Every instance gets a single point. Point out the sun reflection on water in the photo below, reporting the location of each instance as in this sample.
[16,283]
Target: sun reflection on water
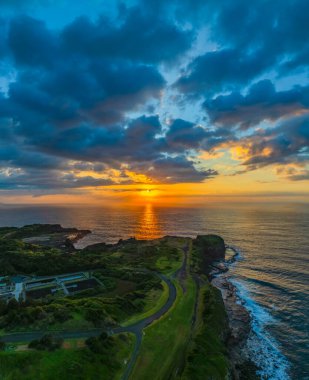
[148,227]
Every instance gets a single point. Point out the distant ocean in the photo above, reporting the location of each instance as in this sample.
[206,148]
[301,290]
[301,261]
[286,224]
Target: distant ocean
[272,274]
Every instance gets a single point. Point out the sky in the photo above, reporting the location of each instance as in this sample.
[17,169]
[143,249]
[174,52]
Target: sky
[173,101]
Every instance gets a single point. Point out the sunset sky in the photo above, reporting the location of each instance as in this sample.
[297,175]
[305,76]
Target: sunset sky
[175,101]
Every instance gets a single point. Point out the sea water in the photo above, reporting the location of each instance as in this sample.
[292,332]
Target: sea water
[271,275]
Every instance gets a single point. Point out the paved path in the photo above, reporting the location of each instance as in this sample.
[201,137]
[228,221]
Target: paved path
[137,328]
[182,271]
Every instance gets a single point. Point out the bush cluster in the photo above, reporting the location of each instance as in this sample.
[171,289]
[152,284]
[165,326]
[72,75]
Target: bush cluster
[46,343]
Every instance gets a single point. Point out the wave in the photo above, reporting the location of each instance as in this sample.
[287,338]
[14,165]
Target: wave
[261,347]
[269,284]
[235,256]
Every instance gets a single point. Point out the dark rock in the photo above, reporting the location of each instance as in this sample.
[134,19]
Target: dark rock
[49,235]
[239,322]
[211,248]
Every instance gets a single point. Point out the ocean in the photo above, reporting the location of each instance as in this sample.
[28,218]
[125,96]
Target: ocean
[271,274]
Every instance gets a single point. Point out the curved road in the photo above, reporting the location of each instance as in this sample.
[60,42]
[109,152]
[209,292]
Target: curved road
[137,328]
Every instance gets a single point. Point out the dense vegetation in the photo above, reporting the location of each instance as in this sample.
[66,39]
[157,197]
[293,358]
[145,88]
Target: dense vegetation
[187,342]
[19,257]
[46,343]
[208,356]
[125,290]
[94,308]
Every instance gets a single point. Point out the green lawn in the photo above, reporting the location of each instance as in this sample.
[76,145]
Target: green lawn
[154,303]
[167,266]
[165,341]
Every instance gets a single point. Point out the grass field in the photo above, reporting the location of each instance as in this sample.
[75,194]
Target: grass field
[165,341]
[63,364]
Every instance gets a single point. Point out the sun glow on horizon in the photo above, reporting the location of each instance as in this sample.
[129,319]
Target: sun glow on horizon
[150,193]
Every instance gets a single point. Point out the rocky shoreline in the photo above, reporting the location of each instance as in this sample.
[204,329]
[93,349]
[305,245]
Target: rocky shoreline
[239,320]
[51,235]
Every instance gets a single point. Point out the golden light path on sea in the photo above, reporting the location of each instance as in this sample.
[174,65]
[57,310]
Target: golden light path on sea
[148,227]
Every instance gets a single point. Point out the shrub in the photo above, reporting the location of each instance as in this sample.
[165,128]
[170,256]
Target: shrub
[46,343]
[99,344]
[95,316]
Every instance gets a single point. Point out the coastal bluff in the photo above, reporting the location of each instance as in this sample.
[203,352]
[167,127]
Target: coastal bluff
[211,248]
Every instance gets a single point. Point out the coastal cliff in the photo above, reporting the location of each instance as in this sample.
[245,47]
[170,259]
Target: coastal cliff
[211,248]
[225,323]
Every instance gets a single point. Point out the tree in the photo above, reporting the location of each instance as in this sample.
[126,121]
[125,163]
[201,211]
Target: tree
[2,346]
[12,304]
[3,307]
[95,316]
[46,343]
[94,345]
[100,344]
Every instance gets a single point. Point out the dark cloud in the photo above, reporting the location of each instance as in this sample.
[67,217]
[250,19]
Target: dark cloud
[65,107]
[88,148]
[141,36]
[57,85]
[31,43]
[185,135]
[134,142]
[251,40]
[42,180]
[302,176]
[262,102]
[220,70]
[286,143]
[177,169]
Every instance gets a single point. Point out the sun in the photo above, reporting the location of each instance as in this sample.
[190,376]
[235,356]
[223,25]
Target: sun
[149,193]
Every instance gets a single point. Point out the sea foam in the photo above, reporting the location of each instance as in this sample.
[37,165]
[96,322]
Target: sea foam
[261,347]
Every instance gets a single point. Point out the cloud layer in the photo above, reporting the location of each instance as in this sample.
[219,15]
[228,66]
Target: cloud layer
[95,100]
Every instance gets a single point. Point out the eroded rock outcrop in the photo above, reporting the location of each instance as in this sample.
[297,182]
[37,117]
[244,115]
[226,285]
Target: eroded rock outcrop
[239,317]
[211,248]
[49,235]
